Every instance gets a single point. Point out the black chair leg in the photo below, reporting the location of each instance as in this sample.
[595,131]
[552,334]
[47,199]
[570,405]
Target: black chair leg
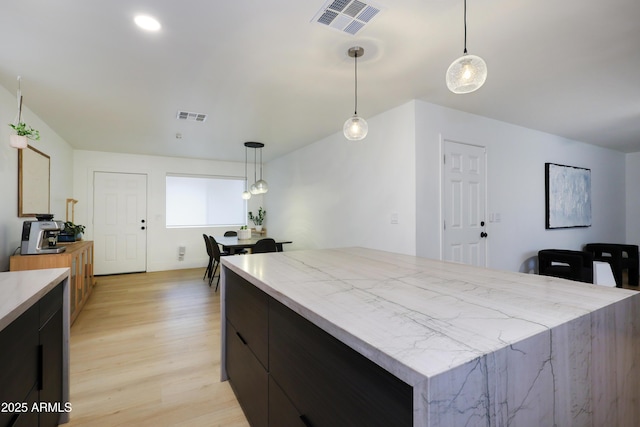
[213,272]
[218,282]
[207,272]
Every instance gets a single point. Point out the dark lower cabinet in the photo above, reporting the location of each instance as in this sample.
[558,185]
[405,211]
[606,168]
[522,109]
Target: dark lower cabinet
[329,383]
[281,410]
[31,365]
[248,377]
[310,379]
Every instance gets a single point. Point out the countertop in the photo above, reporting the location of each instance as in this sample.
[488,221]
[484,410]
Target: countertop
[418,317]
[19,290]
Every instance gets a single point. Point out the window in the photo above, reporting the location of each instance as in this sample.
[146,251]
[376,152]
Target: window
[205,201]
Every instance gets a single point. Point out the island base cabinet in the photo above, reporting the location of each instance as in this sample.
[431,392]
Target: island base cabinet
[329,383]
[308,377]
[281,410]
[248,378]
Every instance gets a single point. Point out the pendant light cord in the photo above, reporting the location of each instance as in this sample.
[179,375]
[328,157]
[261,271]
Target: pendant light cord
[355,112]
[255,156]
[246,183]
[465,27]
[260,163]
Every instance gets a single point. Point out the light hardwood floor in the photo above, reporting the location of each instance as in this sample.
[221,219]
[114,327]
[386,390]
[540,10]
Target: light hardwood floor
[145,351]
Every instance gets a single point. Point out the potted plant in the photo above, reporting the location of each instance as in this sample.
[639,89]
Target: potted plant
[244,233]
[74,230]
[258,219]
[23,132]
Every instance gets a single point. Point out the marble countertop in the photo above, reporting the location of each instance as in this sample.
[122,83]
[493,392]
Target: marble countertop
[19,290]
[418,317]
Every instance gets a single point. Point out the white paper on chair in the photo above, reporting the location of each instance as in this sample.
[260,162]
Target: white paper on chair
[602,274]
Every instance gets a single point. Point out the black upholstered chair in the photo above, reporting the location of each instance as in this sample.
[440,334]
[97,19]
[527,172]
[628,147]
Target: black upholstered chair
[620,257]
[207,243]
[567,264]
[264,245]
[215,249]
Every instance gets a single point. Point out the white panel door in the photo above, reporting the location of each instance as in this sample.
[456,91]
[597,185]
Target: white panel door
[464,201]
[120,222]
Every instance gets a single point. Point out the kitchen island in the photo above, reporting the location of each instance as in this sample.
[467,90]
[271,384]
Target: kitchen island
[476,347]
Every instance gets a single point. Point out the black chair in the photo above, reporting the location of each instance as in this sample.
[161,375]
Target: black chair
[264,245]
[566,264]
[620,257]
[216,261]
[207,244]
[232,233]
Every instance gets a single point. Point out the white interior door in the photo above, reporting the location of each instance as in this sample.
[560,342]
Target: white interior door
[120,222]
[464,203]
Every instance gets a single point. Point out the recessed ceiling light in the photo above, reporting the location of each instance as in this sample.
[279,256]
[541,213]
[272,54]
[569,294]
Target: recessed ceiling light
[147,23]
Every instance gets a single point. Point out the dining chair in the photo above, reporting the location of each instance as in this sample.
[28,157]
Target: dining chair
[232,233]
[264,245]
[207,244]
[620,257]
[216,261]
[567,264]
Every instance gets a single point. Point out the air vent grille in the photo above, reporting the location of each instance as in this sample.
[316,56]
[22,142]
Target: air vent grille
[192,117]
[348,16]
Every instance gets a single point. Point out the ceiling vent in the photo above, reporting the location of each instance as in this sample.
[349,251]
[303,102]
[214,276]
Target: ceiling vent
[192,117]
[347,16]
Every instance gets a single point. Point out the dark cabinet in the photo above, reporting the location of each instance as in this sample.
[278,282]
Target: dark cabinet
[31,365]
[249,379]
[306,377]
[329,383]
[50,381]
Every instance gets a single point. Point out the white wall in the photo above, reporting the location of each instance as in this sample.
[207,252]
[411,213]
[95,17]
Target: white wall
[336,193]
[633,198]
[61,168]
[515,186]
[162,243]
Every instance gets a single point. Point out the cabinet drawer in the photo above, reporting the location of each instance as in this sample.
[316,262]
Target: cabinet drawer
[18,360]
[50,303]
[281,410]
[330,383]
[247,309]
[248,378]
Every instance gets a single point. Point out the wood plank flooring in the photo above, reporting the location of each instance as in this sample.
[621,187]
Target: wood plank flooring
[145,351]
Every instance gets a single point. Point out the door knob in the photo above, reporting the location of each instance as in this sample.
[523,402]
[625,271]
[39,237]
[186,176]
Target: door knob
[483,234]
[142,228]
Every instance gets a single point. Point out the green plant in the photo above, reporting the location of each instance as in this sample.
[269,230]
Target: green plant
[258,219]
[23,130]
[73,229]
[244,227]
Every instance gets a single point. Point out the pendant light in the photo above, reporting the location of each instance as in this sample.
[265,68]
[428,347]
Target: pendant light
[258,186]
[469,72]
[355,128]
[261,184]
[246,195]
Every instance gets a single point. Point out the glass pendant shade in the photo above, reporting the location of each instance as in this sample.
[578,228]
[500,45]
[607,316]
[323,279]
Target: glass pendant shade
[254,189]
[355,128]
[262,186]
[246,195]
[466,74]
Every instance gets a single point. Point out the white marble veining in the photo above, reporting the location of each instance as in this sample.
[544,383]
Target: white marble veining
[480,347]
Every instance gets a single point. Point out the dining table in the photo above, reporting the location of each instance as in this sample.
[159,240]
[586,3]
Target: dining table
[231,244]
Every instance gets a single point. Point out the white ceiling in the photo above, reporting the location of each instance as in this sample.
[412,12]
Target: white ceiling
[262,71]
